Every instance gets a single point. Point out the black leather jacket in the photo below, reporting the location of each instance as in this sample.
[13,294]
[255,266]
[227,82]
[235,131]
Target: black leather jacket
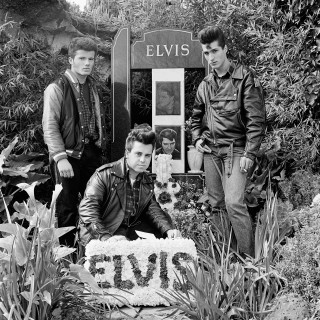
[233,113]
[102,208]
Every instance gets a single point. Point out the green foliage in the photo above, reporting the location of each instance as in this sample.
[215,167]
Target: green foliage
[267,171]
[190,222]
[301,188]
[300,255]
[292,93]
[30,279]
[226,285]
[216,289]
[35,276]
[16,169]
[295,13]
[26,68]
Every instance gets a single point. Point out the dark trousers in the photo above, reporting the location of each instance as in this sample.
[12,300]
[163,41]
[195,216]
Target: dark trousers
[72,188]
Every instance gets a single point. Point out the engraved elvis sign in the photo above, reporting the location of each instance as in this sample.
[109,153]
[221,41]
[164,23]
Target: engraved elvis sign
[166,48]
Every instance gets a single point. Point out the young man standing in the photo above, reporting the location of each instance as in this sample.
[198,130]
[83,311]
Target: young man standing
[231,100]
[119,198]
[74,131]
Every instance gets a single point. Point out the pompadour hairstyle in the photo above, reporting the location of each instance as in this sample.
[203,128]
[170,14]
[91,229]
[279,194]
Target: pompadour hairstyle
[210,34]
[167,133]
[142,133]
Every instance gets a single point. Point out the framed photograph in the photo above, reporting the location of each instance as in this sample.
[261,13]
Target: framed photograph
[168,99]
[169,141]
[168,116]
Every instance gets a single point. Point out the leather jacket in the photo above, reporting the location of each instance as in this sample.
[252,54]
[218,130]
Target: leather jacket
[62,119]
[102,208]
[231,113]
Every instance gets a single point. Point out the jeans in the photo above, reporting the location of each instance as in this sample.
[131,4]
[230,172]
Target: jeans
[68,199]
[226,185]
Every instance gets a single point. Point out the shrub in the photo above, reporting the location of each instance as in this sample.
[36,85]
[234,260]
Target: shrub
[26,68]
[301,188]
[300,256]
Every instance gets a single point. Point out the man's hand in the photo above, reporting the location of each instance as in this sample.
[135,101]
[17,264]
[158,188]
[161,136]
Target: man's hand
[201,147]
[173,233]
[65,168]
[245,164]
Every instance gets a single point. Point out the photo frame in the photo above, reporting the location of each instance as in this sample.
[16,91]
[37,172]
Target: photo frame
[169,141]
[168,99]
[172,78]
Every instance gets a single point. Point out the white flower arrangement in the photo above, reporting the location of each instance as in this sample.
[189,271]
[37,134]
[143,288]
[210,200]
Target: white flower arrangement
[165,187]
[138,271]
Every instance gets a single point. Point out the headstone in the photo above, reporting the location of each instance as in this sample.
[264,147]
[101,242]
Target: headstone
[167,52]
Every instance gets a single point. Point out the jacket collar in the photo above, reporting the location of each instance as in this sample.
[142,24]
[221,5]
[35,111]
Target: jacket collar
[119,169]
[235,70]
[71,76]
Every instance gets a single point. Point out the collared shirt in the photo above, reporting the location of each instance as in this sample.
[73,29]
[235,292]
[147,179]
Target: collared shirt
[132,202]
[87,100]
[221,79]
[132,193]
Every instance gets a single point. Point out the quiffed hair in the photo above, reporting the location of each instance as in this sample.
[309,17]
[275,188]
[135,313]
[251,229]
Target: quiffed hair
[82,43]
[142,133]
[167,133]
[210,34]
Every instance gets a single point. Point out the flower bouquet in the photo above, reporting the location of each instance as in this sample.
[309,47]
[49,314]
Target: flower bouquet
[165,187]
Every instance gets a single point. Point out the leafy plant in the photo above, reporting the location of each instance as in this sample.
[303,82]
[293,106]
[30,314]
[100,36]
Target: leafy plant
[34,278]
[16,169]
[301,188]
[299,257]
[226,285]
[26,68]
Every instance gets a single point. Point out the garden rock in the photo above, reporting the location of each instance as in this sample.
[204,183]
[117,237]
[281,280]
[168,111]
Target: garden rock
[289,307]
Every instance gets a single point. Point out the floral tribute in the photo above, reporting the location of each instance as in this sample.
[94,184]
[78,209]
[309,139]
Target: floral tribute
[139,272]
[165,187]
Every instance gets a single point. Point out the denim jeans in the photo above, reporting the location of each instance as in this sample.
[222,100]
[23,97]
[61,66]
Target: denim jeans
[226,185]
[68,199]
